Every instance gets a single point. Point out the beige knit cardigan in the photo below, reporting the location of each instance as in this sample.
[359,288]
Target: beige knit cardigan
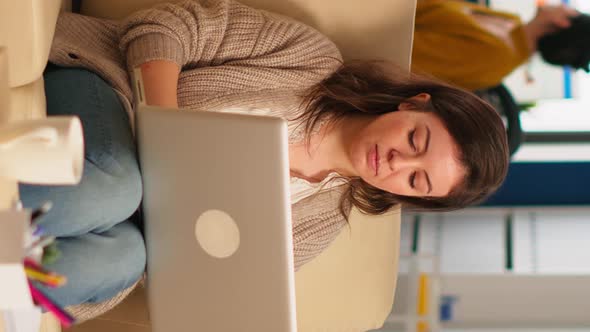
[231,55]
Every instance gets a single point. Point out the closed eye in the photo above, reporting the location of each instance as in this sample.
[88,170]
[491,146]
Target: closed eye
[413,180]
[411,135]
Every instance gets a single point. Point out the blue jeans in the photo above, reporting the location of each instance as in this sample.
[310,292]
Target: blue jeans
[102,250]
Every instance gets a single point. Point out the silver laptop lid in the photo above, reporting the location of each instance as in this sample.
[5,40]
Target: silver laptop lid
[202,170]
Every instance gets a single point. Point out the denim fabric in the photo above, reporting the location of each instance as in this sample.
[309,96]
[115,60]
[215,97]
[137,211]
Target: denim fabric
[103,251]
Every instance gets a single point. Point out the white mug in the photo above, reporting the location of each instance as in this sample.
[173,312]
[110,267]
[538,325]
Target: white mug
[43,151]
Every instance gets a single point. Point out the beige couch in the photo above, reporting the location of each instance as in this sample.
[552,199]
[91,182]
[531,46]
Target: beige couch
[350,287]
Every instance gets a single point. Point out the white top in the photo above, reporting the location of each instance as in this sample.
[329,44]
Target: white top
[301,188]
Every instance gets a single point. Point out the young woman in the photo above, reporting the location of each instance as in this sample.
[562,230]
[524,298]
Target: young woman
[361,133]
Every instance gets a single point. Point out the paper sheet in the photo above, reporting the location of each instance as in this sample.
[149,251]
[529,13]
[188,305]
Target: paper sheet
[16,306]
[22,320]
[14,291]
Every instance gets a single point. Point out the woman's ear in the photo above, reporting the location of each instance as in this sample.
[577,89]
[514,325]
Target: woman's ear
[412,102]
[422,97]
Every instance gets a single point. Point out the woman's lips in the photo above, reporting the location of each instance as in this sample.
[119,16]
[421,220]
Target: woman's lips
[376,160]
[373,159]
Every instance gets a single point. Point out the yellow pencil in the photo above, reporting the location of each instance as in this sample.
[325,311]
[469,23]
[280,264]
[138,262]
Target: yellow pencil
[51,280]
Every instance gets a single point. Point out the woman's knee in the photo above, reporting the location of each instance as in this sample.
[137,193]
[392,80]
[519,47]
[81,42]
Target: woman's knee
[99,266]
[129,261]
[100,201]
[131,184]
[121,193]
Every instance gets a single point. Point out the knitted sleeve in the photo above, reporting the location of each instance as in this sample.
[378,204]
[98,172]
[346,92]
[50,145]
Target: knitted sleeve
[316,223]
[204,33]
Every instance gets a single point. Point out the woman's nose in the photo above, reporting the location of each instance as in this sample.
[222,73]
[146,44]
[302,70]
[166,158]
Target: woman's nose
[400,161]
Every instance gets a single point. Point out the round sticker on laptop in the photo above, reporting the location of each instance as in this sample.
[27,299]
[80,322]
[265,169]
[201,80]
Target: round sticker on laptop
[217,233]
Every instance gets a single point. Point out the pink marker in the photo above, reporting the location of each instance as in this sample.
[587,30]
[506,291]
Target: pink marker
[65,319]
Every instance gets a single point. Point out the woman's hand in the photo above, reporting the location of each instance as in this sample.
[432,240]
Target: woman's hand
[160,81]
[549,19]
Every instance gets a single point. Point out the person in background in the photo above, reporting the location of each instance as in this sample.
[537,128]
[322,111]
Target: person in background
[474,47]
[569,46]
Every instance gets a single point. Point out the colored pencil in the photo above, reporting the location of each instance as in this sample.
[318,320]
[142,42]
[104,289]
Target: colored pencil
[64,318]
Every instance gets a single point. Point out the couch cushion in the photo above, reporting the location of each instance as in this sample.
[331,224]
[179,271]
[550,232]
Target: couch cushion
[351,285]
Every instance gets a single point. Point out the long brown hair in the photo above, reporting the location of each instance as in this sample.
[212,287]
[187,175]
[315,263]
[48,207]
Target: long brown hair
[373,87]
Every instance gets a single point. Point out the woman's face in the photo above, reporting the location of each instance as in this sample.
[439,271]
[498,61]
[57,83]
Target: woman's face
[408,152]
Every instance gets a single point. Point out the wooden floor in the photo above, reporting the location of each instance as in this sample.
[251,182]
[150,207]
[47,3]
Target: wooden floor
[129,316]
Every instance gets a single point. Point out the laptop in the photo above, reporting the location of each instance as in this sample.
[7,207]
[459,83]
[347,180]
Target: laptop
[217,221]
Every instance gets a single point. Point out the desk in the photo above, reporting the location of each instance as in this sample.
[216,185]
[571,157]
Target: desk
[9,188]
[8,195]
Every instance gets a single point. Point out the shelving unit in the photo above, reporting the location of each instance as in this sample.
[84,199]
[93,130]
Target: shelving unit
[421,313]
[498,267]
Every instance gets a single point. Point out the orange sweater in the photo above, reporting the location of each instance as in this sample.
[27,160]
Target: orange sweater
[452,45]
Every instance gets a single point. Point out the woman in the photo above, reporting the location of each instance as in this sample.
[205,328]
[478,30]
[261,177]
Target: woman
[475,47]
[397,139]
